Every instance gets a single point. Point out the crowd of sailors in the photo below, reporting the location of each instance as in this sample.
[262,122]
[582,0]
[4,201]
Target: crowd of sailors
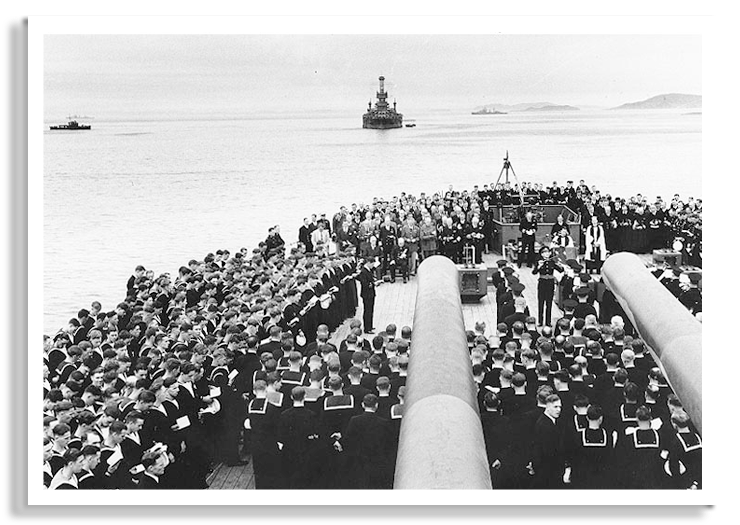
[579,403]
[402,231]
[231,358]
[155,391]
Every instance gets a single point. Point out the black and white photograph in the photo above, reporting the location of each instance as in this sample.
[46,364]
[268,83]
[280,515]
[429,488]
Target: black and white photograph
[270,260]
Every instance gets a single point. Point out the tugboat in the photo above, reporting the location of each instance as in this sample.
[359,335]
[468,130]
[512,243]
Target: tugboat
[72,125]
[382,116]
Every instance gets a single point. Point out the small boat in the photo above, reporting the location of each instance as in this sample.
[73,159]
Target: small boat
[412,125]
[72,125]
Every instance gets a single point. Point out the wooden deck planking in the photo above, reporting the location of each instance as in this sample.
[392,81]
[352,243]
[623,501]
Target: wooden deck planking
[213,478]
[232,478]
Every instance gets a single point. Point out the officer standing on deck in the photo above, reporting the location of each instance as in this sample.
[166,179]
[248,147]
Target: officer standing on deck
[548,463]
[367,292]
[528,227]
[388,237]
[546,267]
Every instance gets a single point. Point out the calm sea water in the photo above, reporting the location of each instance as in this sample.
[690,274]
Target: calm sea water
[161,193]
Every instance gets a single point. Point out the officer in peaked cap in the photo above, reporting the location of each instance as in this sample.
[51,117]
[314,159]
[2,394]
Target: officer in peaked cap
[588,282]
[496,277]
[517,288]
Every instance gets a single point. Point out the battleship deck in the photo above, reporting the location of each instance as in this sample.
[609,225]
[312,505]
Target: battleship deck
[395,303]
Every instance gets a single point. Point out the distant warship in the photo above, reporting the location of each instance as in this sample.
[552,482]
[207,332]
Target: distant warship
[72,125]
[488,111]
[382,116]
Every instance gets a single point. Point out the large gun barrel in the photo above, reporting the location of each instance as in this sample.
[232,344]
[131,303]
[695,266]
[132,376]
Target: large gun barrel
[441,443]
[663,322]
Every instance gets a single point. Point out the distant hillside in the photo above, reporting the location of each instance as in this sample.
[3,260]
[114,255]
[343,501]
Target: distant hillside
[524,106]
[667,101]
[554,107]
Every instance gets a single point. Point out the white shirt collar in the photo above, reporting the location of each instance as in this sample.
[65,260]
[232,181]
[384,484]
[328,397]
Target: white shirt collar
[155,478]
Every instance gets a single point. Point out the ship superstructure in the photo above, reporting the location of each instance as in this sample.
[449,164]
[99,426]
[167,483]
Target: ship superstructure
[382,116]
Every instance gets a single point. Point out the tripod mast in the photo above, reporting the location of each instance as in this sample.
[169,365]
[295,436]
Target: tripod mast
[505,170]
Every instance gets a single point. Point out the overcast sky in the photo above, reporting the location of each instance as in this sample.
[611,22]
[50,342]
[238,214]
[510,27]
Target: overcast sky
[110,76]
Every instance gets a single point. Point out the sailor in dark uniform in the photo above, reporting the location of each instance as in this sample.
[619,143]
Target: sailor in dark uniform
[298,433]
[86,478]
[369,446]
[639,463]
[232,415]
[385,399]
[294,376]
[583,308]
[309,309]
[155,463]
[528,229]
[578,421]
[496,435]
[66,477]
[263,419]
[273,344]
[108,471]
[339,408]
[348,282]
[684,459]
[315,392]
[396,418]
[508,306]
[291,312]
[593,453]
[131,446]
[48,474]
[353,383]
[628,409]
[367,292]
[138,274]
[520,403]
[546,267]
[304,234]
